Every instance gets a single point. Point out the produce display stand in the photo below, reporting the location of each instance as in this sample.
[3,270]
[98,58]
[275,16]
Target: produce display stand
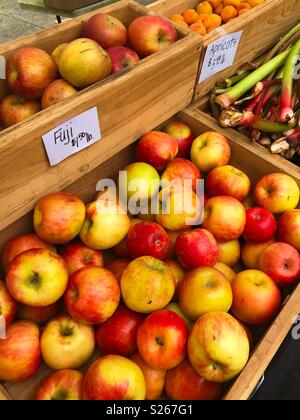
[128,104]
[244,156]
[261,26]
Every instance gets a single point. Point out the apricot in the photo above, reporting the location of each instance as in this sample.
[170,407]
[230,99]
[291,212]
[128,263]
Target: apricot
[254,3]
[243,5]
[212,22]
[215,3]
[242,11]
[234,3]
[199,28]
[202,18]
[228,13]
[219,9]
[177,18]
[204,7]
[190,16]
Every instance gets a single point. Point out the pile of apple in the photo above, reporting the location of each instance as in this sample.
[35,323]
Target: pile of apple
[38,80]
[152,293]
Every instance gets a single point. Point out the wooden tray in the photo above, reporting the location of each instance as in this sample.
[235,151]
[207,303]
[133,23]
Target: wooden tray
[243,157]
[262,26]
[128,103]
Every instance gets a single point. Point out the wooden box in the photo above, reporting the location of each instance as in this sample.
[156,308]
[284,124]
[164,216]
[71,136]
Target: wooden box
[244,156]
[128,104]
[262,26]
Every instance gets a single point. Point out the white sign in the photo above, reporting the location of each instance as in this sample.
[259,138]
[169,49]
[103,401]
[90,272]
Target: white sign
[2,67]
[220,55]
[72,136]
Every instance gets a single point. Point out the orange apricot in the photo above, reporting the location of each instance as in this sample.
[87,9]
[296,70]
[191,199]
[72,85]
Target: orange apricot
[234,3]
[219,9]
[254,3]
[212,22]
[190,16]
[204,7]
[215,3]
[243,5]
[228,13]
[199,28]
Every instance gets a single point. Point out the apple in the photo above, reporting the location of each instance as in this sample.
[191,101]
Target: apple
[142,180]
[289,228]
[277,193]
[180,209]
[92,295]
[260,226]
[183,383]
[182,134]
[38,315]
[19,244]
[162,339]
[178,272]
[210,150]
[229,252]
[67,344]
[224,217]
[228,180]
[58,217]
[57,52]
[118,334]
[218,347]
[37,278]
[173,306]
[117,267]
[281,262]
[77,256]
[106,30]
[157,149]
[29,71]
[114,377]
[251,252]
[83,62]
[20,352]
[15,109]
[56,92]
[226,270]
[155,378]
[182,169]
[121,58]
[148,239]
[63,385]
[196,248]
[204,290]
[105,225]
[150,34]
[256,298]
[121,250]
[147,285]
[8,306]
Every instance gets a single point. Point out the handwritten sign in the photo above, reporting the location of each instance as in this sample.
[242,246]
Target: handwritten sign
[72,136]
[220,55]
[2,67]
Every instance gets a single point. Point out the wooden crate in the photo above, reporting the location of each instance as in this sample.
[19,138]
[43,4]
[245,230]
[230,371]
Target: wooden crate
[262,27]
[243,157]
[128,103]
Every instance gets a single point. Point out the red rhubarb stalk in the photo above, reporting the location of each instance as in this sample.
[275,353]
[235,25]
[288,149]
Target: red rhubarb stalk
[265,84]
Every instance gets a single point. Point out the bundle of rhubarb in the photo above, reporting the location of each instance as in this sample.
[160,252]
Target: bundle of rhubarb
[263,99]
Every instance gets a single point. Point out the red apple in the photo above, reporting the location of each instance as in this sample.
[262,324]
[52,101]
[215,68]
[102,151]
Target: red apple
[260,225]
[77,256]
[148,239]
[155,378]
[63,385]
[14,109]
[184,170]
[149,34]
[58,218]
[227,180]
[56,92]
[196,248]
[183,383]
[93,295]
[256,298]
[162,339]
[29,71]
[157,149]
[117,267]
[8,306]
[37,278]
[281,262]
[38,315]
[289,228]
[224,217]
[122,57]
[19,244]
[182,134]
[114,377]
[118,334]
[107,30]
[20,352]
